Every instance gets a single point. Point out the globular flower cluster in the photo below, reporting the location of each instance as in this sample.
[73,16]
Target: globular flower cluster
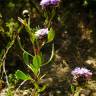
[45,3]
[41,33]
[81,72]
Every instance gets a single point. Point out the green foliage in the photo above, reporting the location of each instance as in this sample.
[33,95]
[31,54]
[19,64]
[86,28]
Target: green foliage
[36,64]
[12,26]
[42,88]
[85,3]
[51,35]
[26,57]
[35,70]
[10,92]
[37,61]
[11,5]
[20,75]
[72,88]
[12,79]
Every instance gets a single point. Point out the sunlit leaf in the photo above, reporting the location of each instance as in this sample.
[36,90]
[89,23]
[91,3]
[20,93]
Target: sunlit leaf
[37,61]
[35,70]
[20,75]
[51,35]
[22,21]
[72,89]
[35,66]
[42,88]
[26,57]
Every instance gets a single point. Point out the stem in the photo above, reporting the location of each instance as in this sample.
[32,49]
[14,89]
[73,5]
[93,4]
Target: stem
[38,47]
[34,49]
[49,19]
[31,35]
[77,93]
[37,9]
[20,86]
[51,57]
[18,38]
[3,61]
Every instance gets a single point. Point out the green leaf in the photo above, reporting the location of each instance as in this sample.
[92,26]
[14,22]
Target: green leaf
[37,61]
[46,14]
[36,86]
[26,57]
[72,88]
[78,90]
[35,70]
[51,57]
[32,38]
[35,66]
[20,75]
[42,89]
[51,35]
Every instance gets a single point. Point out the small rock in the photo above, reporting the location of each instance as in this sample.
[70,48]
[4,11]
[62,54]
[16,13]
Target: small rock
[25,93]
[94,94]
[82,95]
[58,91]
[85,92]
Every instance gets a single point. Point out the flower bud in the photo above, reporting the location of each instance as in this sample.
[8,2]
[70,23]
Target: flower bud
[81,74]
[25,13]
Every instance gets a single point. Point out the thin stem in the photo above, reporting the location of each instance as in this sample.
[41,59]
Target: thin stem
[38,47]
[31,35]
[20,86]
[18,38]
[49,19]
[51,57]
[77,93]
[3,61]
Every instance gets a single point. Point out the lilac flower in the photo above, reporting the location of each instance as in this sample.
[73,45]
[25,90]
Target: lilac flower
[41,33]
[54,2]
[81,72]
[45,3]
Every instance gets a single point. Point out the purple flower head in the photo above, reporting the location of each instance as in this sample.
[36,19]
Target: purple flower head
[45,3]
[41,33]
[54,2]
[81,72]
